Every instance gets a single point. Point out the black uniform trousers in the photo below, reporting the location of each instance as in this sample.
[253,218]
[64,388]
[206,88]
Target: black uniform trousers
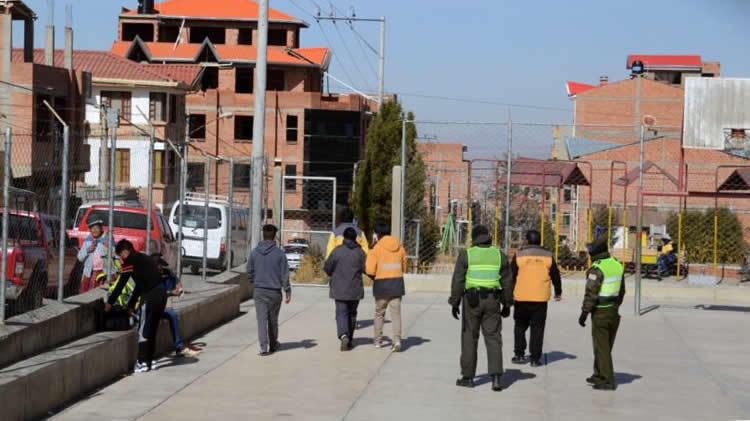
[529,314]
[485,316]
[151,311]
[604,324]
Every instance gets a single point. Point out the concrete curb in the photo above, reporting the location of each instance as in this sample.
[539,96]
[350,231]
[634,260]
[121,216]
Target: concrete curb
[576,288]
[30,388]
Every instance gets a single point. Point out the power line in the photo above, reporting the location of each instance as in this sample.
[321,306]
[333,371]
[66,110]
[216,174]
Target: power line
[335,57]
[351,56]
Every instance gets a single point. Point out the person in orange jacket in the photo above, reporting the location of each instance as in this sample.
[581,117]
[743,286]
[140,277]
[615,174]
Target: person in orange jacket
[345,219]
[386,264]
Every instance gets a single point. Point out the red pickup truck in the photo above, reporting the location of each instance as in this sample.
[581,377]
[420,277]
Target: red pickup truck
[130,224]
[33,256]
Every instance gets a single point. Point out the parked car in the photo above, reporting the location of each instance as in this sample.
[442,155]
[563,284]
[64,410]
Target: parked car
[294,254]
[33,256]
[83,208]
[130,224]
[194,222]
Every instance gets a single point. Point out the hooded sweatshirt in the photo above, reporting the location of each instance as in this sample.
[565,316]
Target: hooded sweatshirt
[268,267]
[345,267]
[386,263]
[337,238]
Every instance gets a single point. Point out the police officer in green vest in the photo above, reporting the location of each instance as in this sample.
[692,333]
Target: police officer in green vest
[605,289]
[482,282]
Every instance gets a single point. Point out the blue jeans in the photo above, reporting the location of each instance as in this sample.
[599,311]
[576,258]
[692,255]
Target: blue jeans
[664,261]
[174,326]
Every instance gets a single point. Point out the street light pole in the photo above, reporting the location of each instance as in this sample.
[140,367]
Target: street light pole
[259,122]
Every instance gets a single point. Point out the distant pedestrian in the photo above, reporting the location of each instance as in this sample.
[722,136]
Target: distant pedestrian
[386,264]
[268,268]
[92,255]
[152,294]
[605,291]
[534,269]
[345,267]
[345,219]
[483,283]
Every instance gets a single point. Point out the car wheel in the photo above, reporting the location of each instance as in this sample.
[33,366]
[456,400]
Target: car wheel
[195,269]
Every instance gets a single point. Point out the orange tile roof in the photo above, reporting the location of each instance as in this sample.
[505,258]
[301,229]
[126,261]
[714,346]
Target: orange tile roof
[166,51]
[216,9]
[105,65]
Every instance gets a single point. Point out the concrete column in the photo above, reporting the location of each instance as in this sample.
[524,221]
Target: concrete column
[396,203]
[28,40]
[276,190]
[68,48]
[49,46]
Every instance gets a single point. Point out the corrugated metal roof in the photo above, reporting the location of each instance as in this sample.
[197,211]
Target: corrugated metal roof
[537,172]
[655,61]
[579,146]
[575,88]
[714,106]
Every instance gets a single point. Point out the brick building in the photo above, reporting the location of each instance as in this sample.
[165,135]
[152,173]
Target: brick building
[447,173]
[26,81]
[308,132]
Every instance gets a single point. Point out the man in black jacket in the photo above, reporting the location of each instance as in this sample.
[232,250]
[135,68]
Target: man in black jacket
[345,267]
[150,289]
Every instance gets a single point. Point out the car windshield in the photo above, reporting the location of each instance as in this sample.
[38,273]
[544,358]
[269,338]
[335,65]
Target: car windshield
[22,228]
[195,216]
[79,215]
[295,250]
[122,219]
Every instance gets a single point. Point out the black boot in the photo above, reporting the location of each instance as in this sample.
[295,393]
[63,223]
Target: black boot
[594,380]
[496,386]
[519,359]
[604,386]
[465,382]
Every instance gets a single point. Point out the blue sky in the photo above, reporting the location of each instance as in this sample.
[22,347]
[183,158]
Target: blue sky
[510,52]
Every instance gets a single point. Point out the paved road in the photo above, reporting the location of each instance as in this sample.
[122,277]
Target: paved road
[676,362]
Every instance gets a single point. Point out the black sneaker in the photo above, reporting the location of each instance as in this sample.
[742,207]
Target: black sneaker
[345,344]
[519,359]
[465,382]
[594,380]
[496,386]
[274,347]
[604,386]
[537,363]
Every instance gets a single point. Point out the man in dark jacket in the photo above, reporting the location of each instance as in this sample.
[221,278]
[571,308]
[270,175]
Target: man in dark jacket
[345,267]
[534,269]
[268,268]
[150,289]
[605,291]
[483,281]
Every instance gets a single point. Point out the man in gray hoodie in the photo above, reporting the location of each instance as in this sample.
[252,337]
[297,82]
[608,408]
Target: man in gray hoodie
[268,269]
[345,267]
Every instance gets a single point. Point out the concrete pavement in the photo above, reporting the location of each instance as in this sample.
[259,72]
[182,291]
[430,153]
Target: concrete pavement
[676,362]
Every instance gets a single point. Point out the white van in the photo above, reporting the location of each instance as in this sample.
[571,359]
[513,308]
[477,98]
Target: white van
[218,231]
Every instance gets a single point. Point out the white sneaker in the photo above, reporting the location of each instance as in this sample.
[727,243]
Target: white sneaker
[396,347]
[140,367]
[379,345]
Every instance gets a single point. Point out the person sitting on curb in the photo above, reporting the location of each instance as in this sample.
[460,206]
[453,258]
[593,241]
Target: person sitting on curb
[174,290]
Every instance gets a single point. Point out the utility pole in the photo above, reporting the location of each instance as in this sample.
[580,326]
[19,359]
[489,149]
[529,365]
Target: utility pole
[380,52]
[259,123]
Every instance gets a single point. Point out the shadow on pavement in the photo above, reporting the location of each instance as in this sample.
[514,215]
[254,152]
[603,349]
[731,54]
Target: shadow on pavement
[305,343]
[363,341]
[412,341]
[741,309]
[176,361]
[555,356]
[509,377]
[364,324]
[649,309]
[626,378]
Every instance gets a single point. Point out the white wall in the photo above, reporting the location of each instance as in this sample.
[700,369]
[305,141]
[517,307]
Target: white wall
[138,160]
[139,99]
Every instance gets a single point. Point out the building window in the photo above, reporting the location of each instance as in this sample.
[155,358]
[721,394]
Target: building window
[210,78]
[277,37]
[117,100]
[567,195]
[173,109]
[245,36]
[169,33]
[291,128]
[198,127]
[243,80]
[122,166]
[241,176]
[554,212]
[290,184]
[157,106]
[276,80]
[159,172]
[144,31]
[566,219]
[215,35]
[195,175]
[243,127]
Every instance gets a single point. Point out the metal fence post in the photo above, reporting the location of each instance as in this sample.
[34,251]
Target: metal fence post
[183,187]
[63,214]
[508,170]
[113,117]
[207,189]
[6,198]
[230,215]
[150,194]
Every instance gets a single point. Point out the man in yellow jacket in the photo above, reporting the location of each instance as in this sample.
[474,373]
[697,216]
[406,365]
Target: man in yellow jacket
[386,263]
[345,219]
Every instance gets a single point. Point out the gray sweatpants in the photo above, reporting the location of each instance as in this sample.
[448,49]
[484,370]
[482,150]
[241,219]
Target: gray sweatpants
[267,308]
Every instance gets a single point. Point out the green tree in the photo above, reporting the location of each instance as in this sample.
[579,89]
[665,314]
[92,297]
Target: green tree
[698,236]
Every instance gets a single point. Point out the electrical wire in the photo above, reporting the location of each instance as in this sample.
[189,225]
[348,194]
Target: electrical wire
[351,56]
